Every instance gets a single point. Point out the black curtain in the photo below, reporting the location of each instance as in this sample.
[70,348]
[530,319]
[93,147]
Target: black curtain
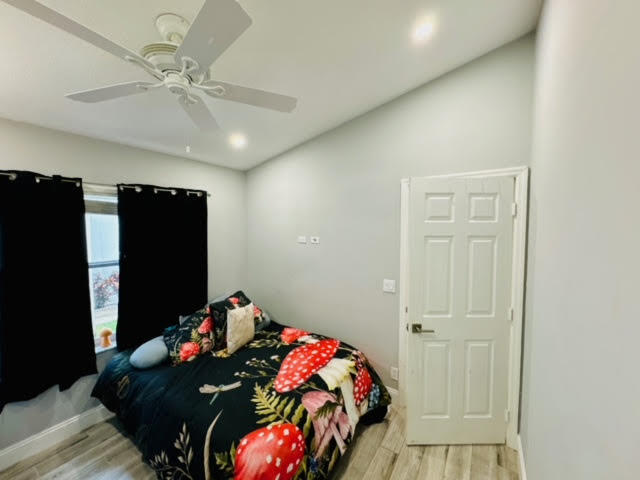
[163,259]
[46,336]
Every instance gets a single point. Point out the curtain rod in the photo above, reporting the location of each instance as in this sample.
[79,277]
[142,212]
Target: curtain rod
[13,176]
[173,191]
[107,186]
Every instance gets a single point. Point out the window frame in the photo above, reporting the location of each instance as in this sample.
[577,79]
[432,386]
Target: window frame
[96,206]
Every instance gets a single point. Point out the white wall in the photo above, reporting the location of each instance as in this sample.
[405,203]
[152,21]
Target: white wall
[581,395]
[345,187]
[27,147]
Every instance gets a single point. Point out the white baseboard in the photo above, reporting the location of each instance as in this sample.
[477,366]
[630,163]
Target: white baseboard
[52,435]
[523,472]
[395,394]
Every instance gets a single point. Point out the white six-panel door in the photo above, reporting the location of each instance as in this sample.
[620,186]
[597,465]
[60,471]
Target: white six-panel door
[460,254]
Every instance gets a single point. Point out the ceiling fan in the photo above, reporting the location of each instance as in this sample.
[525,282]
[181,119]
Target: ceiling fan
[180,63]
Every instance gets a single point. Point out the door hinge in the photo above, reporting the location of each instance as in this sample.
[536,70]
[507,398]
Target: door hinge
[507,416]
[511,314]
[514,209]
[406,309]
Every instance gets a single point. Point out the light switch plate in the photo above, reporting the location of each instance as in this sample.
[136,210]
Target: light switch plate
[302,239]
[394,373]
[315,240]
[389,286]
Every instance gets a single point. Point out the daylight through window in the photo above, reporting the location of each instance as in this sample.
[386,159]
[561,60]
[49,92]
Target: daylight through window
[104,270]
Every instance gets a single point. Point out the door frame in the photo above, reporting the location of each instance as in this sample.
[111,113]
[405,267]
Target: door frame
[518,272]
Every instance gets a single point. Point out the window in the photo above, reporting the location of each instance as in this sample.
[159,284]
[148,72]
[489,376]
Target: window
[104,266]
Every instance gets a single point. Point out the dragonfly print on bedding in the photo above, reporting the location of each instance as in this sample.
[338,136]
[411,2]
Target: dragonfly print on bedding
[285,406]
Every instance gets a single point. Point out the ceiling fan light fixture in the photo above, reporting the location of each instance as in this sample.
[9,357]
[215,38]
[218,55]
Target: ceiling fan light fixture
[172,27]
[180,63]
[238,140]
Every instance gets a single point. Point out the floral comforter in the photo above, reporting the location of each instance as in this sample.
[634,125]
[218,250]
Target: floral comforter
[283,407]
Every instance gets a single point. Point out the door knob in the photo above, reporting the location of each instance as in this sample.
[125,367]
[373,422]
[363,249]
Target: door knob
[417,328]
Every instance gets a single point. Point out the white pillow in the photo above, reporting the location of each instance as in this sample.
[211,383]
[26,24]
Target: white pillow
[240,327]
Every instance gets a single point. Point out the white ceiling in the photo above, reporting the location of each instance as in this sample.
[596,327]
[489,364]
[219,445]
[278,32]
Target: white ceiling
[340,58]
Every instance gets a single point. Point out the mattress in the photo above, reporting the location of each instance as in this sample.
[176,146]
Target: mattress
[285,406]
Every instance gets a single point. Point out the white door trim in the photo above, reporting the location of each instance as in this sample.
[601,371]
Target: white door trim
[521,176]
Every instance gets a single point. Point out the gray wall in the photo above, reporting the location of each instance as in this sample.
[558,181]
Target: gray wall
[581,393]
[46,151]
[344,186]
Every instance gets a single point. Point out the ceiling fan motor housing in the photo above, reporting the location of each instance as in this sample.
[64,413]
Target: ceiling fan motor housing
[177,84]
[160,54]
[173,29]
[194,47]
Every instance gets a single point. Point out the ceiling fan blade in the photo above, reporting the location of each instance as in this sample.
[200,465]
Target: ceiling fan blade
[56,19]
[218,24]
[253,96]
[199,113]
[112,91]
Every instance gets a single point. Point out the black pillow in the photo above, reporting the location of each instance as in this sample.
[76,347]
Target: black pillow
[195,335]
[219,315]
[239,300]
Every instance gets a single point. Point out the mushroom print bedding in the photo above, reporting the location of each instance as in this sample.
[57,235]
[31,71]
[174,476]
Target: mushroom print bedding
[285,406]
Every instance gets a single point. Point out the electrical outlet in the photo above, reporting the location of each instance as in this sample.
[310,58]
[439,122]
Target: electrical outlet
[394,373]
[315,240]
[302,239]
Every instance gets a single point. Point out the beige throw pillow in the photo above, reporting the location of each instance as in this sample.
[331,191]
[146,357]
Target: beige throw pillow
[240,327]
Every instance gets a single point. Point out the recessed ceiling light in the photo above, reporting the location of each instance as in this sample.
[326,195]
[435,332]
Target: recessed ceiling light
[422,32]
[238,140]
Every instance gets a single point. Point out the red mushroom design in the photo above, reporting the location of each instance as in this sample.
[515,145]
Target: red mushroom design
[270,453]
[206,326]
[290,335]
[303,362]
[189,351]
[363,385]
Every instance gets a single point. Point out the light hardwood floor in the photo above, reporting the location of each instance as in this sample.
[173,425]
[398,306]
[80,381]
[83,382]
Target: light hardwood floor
[103,452]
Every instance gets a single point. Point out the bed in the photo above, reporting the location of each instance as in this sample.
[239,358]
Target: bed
[285,406]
